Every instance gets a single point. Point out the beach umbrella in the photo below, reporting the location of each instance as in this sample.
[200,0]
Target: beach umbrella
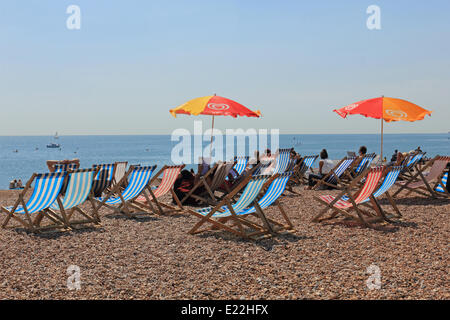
[387,109]
[214,106]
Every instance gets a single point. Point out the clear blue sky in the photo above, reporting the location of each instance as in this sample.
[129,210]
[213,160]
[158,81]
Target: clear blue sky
[294,60]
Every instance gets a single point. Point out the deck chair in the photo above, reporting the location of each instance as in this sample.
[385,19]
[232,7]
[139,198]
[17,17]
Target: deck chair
[78,191]
[300,170]
[344,207]
[60,167]
[221,171]
[365,162]
[103,179]
[422,183]
[169,176]
[410,164]
[241,164]
[282,160]
[47,187]
[332,178]
[442,187]
[224,212]
[119,172]
[138,182]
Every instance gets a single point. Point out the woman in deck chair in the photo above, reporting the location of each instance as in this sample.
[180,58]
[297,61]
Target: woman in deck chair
[325,166]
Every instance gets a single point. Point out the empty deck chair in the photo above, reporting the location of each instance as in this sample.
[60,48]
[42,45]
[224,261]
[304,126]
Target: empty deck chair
[344,207]
[332,178]
[241,164]
[224,211]
[47,187]
[78,191]
[119,171]
[169,175]
[442,187]
[60,167]
[425,183]
[300,170]
[138,182]
[282,160]
[103,179]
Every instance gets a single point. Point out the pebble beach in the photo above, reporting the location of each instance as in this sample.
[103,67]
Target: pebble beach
[156,258]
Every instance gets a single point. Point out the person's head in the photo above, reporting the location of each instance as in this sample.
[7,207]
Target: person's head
[186,174]
[362,150]
[268,152]
[396,151]
[15,180]
[324,154]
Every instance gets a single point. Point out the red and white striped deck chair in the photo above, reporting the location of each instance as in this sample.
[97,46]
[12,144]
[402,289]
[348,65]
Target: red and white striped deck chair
[169,175]
[345,202]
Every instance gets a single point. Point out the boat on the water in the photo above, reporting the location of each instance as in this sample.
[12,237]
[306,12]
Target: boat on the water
[53,145]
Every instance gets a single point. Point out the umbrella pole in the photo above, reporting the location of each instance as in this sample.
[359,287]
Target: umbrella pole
[212,130]
[382,140]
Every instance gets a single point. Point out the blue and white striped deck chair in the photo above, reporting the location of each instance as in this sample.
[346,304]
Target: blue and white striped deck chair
[442,185]
[103,179]
[47,187]
[241,164]
[389,180]
[78,191]
[227,212]
[365,163]
[305,165]
[411,164]
[60,167]
[271,196]
[282,161]
[138,180]
[332,179]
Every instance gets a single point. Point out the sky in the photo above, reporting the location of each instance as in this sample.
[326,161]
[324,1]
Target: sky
[296,61]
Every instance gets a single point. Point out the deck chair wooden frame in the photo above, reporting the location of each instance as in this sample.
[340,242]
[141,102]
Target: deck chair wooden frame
[345,207]
[334,173]
[165,185]
[37,206]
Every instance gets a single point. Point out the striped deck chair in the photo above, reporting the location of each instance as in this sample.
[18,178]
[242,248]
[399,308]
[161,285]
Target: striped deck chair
[103,179]
[300,170]
[224,211]
[344,207]
[61,167]
[332,178]
[410,164]
[221,171]
[282,160]
[119,171]
[364,163]
[138,182]
[47,187]
[78,191]
[422,183]
[442,187]
[241,164]
[169,175]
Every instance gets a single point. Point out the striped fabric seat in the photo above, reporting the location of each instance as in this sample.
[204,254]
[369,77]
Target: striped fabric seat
[414,160]
[78,189]
[345,164]
[46,189]
[282,162]
[138,180]
[104,177]
[372,179]
[170,174]
[61,167]
[221,173]
[442,185]
[365,162]
[308,161]
[121,168]
[241,164]
[274,191]
[249,194]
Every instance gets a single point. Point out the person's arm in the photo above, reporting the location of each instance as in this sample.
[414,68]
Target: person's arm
[321,166]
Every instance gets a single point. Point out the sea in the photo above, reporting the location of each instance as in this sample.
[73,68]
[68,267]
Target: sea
[21,156]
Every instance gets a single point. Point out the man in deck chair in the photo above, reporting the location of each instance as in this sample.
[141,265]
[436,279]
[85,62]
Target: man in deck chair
[32,213]
[79,187]
[347,200]
[424,183]
[169,176]
[138,184]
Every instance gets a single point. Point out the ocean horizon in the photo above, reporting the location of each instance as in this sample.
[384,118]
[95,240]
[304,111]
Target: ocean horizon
[21,156]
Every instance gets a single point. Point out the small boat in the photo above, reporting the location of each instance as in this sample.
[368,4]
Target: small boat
[53,145]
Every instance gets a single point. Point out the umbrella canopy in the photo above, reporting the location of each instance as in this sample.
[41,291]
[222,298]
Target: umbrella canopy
[387,109]
[214,106]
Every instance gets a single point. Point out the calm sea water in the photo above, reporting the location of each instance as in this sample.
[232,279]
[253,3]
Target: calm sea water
[156,149]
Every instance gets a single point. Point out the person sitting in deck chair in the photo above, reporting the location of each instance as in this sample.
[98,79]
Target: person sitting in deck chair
[184,183]
[325,165]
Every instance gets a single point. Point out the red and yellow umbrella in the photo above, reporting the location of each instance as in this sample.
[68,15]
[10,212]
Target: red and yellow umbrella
[387,109]
[214,106]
